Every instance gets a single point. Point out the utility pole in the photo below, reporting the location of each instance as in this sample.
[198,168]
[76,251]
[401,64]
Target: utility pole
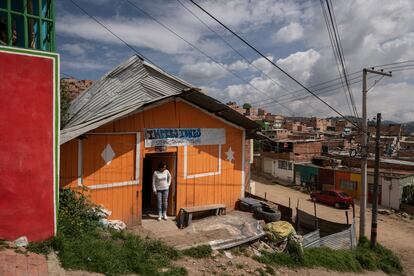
[364,149]
[376,188]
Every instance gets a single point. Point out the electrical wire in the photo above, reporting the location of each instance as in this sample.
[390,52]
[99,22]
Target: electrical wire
[229,45]
[204,53]
[336,44]
[140,55]
[334,50]
[274,64]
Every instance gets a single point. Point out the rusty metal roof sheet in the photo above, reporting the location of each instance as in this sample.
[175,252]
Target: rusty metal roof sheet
[129,87]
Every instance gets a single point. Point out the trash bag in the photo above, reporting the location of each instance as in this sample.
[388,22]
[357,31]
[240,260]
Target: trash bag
[279,230]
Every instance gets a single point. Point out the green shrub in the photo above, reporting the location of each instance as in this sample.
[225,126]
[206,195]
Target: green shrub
[82,244]
[295,251]
[363,257]
[77,214]
[202,251]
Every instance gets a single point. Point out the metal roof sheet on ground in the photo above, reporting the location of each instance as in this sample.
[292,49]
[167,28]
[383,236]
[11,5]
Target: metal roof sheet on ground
[130,86]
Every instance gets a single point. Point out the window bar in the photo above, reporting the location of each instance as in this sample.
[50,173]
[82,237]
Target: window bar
[52,28]
[40,25]
[9,24]
[25,28]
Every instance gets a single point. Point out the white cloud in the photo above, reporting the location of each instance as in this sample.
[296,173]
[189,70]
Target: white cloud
[238,65]
[210,71]
[372,32]
[73,49]
[203,71]
[82,65]
[237,13]
[300,64]
[137,32]
[289,33]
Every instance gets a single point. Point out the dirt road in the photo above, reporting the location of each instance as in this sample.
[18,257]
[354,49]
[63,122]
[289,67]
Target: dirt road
[394,232]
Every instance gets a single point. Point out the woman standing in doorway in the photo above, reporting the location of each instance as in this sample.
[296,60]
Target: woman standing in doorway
[161,181]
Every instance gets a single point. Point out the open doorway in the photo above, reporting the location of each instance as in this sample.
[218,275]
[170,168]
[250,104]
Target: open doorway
[149,199]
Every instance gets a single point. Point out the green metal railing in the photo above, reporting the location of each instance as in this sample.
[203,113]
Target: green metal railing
[29,23]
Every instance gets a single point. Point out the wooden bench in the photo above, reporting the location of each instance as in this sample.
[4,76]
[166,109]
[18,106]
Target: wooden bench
[186,214]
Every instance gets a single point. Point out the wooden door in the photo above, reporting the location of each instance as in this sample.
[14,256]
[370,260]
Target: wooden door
[171,160]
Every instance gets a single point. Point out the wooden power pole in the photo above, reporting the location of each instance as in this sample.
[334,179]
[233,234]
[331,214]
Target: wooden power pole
[376,178]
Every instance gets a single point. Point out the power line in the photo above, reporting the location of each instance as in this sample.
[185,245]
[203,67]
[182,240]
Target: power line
[67,75]
[334,50]
[344,62]
[304,96]
[199,50]
[375,83]
[397,62]
[336,44]
[274,64]
[339,78]
[140,55]
[229,45]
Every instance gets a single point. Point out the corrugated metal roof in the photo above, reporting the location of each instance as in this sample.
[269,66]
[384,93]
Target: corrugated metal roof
[130,86]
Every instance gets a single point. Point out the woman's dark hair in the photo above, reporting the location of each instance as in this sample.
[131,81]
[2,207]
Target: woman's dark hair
[161,165]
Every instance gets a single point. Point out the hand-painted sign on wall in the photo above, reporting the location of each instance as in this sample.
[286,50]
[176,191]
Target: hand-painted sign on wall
[155,137]
[29,143]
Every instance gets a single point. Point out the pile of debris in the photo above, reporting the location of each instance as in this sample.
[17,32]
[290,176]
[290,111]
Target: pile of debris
[400,214]
[19,244]
[114,224]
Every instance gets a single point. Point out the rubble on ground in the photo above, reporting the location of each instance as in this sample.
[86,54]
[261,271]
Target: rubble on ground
[113,224]
[20,242]
[102,212]
[384,211]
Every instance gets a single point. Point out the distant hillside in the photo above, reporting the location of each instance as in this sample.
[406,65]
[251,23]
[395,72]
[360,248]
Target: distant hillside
[409,127]
[76,87]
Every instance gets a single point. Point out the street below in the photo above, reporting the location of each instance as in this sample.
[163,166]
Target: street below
[394,232]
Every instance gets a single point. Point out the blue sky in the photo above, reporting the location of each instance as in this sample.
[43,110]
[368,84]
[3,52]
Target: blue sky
[291,33]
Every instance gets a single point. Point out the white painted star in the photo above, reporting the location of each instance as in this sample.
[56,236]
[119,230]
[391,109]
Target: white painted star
[230,155]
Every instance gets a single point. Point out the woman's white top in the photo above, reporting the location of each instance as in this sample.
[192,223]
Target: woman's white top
[161,180]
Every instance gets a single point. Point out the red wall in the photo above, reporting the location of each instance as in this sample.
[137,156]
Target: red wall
[26,147]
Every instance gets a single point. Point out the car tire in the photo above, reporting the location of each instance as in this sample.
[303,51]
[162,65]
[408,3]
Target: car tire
[247,207]
[337,205]
[267,214]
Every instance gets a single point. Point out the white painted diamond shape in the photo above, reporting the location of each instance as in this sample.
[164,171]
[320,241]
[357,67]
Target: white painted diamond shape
[108,154]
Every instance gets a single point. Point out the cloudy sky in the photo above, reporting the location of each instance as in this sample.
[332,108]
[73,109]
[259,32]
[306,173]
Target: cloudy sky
[291,33]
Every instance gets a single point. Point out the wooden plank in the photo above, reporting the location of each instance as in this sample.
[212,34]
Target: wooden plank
[204,208]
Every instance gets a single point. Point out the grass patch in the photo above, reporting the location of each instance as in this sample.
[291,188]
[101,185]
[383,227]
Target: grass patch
[239,250]
[44,247]
[363,257]
[198,252]
[82,244]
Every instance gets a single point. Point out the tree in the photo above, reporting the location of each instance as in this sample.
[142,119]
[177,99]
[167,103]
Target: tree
[65,99]
[247,106]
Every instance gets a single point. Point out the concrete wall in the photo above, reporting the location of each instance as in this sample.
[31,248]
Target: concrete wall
[268,165]
[391,193]
[286,175]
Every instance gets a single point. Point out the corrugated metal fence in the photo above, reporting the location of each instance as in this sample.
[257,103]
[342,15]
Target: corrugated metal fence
[345,239]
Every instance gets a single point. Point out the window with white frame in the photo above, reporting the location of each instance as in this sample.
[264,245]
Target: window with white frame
[284,165]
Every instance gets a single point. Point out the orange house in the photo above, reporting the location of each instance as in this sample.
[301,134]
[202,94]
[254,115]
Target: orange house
[138,115]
